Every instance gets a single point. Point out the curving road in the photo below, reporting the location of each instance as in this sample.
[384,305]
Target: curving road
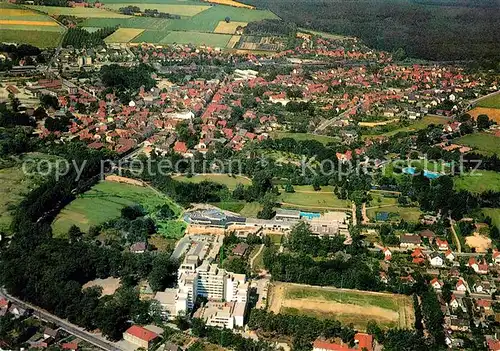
[63,324]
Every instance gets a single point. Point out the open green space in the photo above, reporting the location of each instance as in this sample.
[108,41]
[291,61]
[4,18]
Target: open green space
[84,12]
[104,201]
[173,9]
[478,182]
[409,214]
[159,24]
[312,200]
[481,142]
[491,101]
[325,139]
[494,213]
[379,199]
[197,39]
[414,126]
[150,36]
[230,181]
[352,297]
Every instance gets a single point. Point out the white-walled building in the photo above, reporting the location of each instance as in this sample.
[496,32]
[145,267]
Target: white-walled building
[223,314]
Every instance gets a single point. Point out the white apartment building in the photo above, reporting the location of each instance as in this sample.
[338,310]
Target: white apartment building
[222,314]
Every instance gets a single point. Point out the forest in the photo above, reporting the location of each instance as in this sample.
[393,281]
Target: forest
[443,30]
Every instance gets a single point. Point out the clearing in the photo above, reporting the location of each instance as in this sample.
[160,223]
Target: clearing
[104,201]
[108,285]
[187,10]
[481,142]
[409,214]
[347,306]
[478,182]
[306,198]
[479,242]
[230,181]
[123,35]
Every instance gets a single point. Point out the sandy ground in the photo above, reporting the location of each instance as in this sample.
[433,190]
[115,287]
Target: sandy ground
[343,311]
[479,242]
[192,229]
[118,179]
[492,113]
[109,285]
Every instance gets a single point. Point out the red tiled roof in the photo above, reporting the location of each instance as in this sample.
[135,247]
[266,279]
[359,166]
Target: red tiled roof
[364,341]
[141,333]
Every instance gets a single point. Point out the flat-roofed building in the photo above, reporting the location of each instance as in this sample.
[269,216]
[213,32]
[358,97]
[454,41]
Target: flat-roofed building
[222,314]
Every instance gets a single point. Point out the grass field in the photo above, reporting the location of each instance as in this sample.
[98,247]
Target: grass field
[227,180]
[347,306]
[197,39]
[123,35]
[251,209]
[84,12]
[492,112]
[491,101]
[418,125]
[149,36]
[228,28]
[478,182]
[42,39]
[307,198]
[494,213]
[173,9]
[305,136]
[104,202]
[230,3]
[409,214]
[481,142]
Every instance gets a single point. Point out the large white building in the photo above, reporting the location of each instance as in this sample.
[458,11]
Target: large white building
[222,314]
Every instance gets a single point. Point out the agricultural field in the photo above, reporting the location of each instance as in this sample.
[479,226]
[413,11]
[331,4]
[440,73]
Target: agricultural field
[492,112]
[481,142]
[197,39]
[159,24]
[491,102]
[230,3]
[233,41]
[150,36]
[123,35]
[324,199]
[415,126]
[347,306]
[21,25]
[409,214]
[104,201]
[83,12]
[173,9]
[230,181]
[228,28]
[324,139]
[478,182]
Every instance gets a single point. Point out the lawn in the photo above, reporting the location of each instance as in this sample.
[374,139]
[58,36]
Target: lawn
[415,126]
[325,139]
[104,201]
[196,39]
[409,214]
[478,182]
[230,181]
[347,306]
[173,9]
[481,142]
[123,35]
[84,12]
[491,101]
[379,199]
[312,200]
[251,209]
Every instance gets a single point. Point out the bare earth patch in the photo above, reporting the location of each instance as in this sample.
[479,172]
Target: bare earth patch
[479,242]
[492,113]
[109,285]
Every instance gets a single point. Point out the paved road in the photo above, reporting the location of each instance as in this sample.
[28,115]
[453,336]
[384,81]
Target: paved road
[328,122]
[63,324]
[455,236]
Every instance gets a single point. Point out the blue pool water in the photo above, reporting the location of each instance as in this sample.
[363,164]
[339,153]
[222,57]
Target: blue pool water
[427,174]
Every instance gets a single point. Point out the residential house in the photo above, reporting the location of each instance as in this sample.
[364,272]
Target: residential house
[496,256]
[450,256]
[387,254]
[478,267]
[140,336]
[483,304]
[436,284]
[436,259]
[442,244]
[240,249]
[139,247]
[461,286]
[410,241]
[418,256]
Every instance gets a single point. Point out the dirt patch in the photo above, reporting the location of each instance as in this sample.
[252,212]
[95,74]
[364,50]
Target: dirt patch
[480,242]
[109,285]
[118,179]
[492,113]
[376,124]
[228,28]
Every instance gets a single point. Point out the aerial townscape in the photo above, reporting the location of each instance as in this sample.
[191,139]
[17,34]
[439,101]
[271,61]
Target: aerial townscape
[210,175]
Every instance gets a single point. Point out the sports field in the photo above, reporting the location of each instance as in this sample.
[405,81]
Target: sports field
[84,12]
[491,101]
[123,35]
[173,9]
[230,182]
[104,202]
[308,199]
[347,306]
[481,142]
[478,182]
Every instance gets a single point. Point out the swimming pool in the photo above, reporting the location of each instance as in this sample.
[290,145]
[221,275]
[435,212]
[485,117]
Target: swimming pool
[427,174]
